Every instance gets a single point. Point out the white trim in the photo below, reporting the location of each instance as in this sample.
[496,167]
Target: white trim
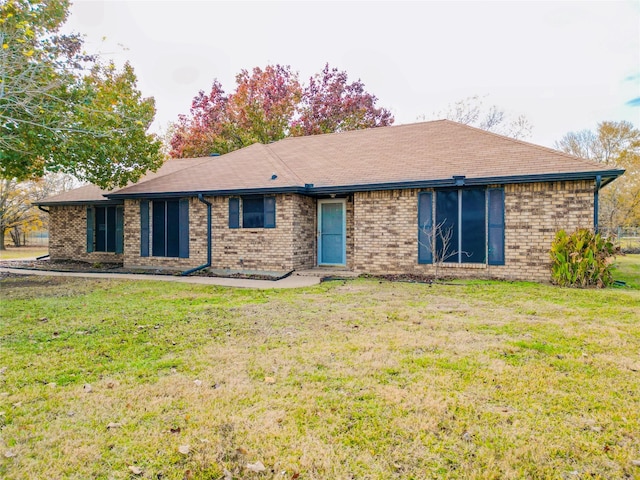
[342,201]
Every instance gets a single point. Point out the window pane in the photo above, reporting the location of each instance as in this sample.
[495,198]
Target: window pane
[158,229]
[253,212]
[111,229]
[446,226]
[101,229]
[173,228]
[473,226]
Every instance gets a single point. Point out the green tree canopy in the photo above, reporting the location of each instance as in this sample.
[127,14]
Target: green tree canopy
[63,111]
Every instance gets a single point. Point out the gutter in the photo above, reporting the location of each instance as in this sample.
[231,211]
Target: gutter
[42,209]
[310,189]
[208,264]
[596,202]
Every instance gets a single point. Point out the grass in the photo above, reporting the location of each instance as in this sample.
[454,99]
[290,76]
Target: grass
[627,269]
[19,253]
[357,379]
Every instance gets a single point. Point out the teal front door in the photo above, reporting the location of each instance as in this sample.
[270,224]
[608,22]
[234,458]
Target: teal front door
[331,232]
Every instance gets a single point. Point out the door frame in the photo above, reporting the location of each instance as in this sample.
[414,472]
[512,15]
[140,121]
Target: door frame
[343,202]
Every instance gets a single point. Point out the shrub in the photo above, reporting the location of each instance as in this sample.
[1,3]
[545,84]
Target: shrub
[581,259]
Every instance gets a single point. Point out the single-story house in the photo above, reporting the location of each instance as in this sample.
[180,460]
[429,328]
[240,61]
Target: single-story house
[389,200]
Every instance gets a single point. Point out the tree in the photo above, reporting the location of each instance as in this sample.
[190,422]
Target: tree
[471,111]
[17,212]
[615,145]
[60,110]
[331,104]
[271,104]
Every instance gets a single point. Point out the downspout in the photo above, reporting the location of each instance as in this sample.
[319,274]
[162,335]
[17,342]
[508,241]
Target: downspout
[40,207]
[208,264]
[596,202]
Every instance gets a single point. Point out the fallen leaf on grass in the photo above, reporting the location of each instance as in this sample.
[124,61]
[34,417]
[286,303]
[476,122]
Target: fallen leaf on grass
[256,467]
[135,470]
[242,450]
[184,449]
[197,383]
[175,429]
[111,425]
[9,454]
[227,475]
[269,380]
[635,463]
[87,388]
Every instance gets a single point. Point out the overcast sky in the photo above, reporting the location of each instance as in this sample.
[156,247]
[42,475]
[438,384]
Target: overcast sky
[565,65]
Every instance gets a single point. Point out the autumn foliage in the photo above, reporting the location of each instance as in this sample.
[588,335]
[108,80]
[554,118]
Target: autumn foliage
[271,104]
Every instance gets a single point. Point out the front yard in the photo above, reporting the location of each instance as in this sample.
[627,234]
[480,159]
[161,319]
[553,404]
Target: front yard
[356,379]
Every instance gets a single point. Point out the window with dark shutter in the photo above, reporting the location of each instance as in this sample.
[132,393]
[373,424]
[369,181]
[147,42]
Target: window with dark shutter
[256,212]
[234,213]
[144,228]
[90,228]
[468,226]
[170,228]
[425,224]
[496,226]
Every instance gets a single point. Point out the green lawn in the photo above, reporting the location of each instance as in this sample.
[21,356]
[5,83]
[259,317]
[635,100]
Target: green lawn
[357,379]
[627,269]
[13,253]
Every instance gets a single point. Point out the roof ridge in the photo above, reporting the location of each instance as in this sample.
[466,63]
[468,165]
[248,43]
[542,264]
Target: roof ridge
[361,130]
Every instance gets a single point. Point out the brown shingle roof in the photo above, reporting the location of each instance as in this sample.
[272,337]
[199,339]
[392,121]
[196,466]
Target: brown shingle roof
[378,157]
[92,193]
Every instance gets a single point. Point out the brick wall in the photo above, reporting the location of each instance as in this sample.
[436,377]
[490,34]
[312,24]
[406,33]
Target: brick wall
[197,239]
[386,230]
[68,236]
[304,232]
[288,246]
[381,233]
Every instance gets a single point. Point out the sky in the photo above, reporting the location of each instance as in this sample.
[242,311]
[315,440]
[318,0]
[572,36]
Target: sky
[564,65]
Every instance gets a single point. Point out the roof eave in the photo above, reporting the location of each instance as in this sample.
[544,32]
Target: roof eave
[606,175]
[76,203]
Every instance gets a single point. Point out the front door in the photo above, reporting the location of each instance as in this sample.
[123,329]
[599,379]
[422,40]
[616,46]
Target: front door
[332,232]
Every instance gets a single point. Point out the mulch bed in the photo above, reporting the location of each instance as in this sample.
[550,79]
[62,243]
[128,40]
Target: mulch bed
[100,267]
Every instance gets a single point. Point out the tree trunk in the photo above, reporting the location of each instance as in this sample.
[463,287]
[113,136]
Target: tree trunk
[2,239]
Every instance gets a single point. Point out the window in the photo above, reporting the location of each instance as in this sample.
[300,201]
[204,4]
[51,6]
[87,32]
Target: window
[461,231]
[169,230]
[257,212]
[105,232]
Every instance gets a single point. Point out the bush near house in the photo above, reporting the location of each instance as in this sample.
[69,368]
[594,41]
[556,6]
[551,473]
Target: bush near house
[581,259]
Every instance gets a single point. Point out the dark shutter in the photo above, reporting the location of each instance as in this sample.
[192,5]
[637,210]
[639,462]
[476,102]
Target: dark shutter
[90,226]
[425,225]
[234,213]
[269,212]
[184,228]
[109,237]
[496,226]
[119,229]
[144,228]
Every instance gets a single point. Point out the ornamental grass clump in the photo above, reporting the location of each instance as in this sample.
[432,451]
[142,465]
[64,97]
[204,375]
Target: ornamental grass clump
[581,259]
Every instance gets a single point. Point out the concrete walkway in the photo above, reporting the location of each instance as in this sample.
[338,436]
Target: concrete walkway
[292,281]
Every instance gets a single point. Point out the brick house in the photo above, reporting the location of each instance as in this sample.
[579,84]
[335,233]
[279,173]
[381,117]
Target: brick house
[384,200]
